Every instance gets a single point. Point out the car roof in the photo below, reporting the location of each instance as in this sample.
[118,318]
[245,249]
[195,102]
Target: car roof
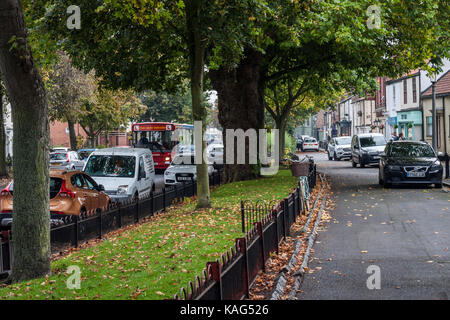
[58,173]
[410,142]
[121,151]
[369,134]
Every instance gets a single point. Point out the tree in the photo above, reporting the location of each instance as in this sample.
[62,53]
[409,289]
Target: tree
[144,45]
[324,38]
[67,89]
[290,99]
[3,168]
[26,93]
[109,110]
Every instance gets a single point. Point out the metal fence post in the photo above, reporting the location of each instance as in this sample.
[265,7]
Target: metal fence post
[215,268]
[100,224]
[164,199]
[286,217]
[152,206]
[261,236]
[242,216]
[137,210]
[275,220]
[243,248]
[77,218]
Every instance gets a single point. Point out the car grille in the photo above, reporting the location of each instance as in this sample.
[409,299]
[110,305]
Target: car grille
[416,169]
[347,149]
[111,192]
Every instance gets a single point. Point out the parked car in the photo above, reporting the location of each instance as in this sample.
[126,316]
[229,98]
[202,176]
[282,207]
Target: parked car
[366,148]
[310,144]
[410,162]
[125,172]
[59,149]
[71,193]
[339,148]
[65,160]
[83,154]
[215,155]
[182,169]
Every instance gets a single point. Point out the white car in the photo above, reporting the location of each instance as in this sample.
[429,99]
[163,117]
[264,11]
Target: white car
[215,155]
[65,160]
[124,172]
[339,148]
[310,144]
[183,169]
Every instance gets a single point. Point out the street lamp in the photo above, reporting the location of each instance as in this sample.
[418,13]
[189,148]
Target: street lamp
[433,112]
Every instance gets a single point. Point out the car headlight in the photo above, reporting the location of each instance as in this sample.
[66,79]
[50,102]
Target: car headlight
[436,165]
[122,189]
[365,151]
[168,173]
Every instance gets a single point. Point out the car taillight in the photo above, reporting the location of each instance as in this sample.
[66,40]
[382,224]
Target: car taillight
[6,211]
[67,155]
[5,192]
[64,192]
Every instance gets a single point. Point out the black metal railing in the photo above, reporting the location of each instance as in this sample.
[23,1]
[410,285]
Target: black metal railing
[71,231]
[266,225]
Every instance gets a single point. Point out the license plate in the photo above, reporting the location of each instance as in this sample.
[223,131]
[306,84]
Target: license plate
[415,174]
[184,178]
[55,164]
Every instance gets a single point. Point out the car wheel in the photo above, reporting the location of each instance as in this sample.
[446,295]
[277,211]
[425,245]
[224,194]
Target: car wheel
[335,157]
[380,181]
[136,197]
[329,157]
[361,163]
[353,164]
[438,185]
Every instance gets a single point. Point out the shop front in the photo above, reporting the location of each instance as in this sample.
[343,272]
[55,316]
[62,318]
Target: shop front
[410,124]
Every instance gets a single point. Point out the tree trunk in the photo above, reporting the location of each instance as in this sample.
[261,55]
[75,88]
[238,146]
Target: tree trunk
[241,106]
[72,135]
[281,126]
[197,49]
[31,216]
[3,168]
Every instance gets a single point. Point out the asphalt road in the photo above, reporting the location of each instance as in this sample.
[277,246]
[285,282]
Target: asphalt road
[405,231]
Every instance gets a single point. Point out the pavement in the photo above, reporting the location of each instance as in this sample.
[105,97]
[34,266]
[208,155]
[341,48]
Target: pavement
[403,231]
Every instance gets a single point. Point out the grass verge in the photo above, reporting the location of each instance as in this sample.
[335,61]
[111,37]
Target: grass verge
[154,259]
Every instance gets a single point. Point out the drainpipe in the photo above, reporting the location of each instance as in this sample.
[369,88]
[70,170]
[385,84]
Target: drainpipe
[445,127]
[434,124]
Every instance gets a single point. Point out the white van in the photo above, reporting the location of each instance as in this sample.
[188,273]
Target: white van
[124,172]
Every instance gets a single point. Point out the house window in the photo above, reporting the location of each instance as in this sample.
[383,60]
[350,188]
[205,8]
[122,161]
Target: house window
[405,91]
[414,89]
[429,126]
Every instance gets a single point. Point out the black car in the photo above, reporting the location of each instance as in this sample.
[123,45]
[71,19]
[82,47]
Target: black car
[410,162]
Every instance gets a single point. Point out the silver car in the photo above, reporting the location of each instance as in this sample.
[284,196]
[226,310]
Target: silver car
[339,148]
[63,160]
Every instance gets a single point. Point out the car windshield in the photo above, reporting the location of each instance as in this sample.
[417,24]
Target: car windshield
[184,160]
[343,141]
[372,141]
[310,140]
[58,156]
[411,150]
[111,166]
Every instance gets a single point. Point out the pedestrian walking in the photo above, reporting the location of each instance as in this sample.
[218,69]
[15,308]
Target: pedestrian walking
[394,136]
[401,137]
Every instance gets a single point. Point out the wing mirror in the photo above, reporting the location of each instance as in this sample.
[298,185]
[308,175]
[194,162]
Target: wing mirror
[101,188]
[382,154]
